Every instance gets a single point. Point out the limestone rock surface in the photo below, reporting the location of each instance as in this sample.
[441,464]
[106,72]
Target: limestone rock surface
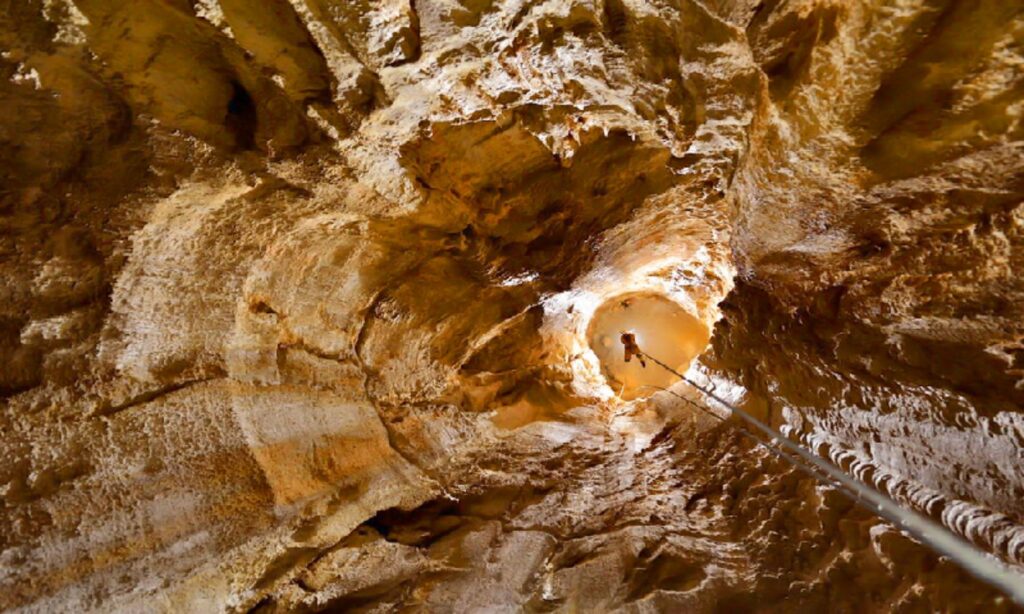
[301,302]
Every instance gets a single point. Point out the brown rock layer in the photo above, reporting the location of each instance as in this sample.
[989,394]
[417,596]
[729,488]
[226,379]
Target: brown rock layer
[297,301]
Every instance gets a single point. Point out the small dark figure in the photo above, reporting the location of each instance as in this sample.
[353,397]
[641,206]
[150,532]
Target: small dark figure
[632,349]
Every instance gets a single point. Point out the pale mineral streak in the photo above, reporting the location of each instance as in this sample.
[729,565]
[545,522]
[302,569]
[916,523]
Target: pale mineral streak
[300,302]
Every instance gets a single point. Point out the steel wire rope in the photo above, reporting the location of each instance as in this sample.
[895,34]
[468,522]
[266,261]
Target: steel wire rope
[933,535]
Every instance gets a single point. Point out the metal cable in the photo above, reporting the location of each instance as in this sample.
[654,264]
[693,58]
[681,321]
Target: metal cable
[808,469]
[976,562]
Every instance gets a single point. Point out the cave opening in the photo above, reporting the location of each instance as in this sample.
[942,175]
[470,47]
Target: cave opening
[661,326]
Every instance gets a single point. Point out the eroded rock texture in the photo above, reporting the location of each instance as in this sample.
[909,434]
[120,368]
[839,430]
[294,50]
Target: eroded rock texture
[297,301]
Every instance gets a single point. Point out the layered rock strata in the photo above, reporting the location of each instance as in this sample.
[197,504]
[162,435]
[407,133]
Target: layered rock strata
[299,301]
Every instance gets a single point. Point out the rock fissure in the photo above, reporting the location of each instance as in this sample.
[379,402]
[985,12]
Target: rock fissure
[108,410]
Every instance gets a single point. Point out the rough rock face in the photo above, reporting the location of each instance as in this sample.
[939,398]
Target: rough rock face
[299,296]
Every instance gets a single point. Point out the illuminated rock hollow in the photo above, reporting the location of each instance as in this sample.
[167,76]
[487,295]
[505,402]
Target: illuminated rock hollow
[299,297]
[660,327]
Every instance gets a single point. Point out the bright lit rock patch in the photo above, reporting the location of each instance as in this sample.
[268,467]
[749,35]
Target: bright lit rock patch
[661,327]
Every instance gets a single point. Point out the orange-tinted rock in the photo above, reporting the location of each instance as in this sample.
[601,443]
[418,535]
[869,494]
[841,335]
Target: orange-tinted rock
[304,303]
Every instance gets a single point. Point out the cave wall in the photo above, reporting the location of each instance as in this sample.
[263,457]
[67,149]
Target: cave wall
[295,296]
[888,321]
